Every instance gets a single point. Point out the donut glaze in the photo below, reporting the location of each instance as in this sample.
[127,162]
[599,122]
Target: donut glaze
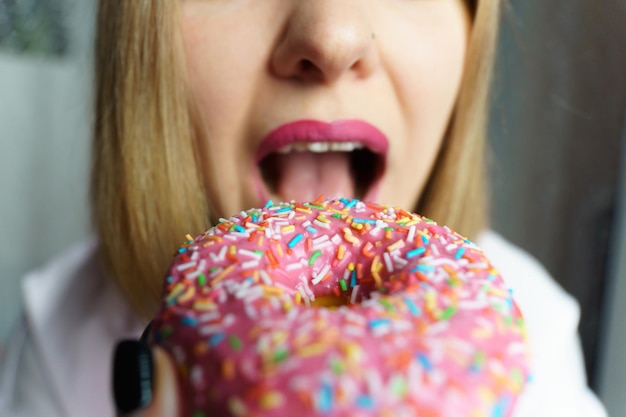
[413,318]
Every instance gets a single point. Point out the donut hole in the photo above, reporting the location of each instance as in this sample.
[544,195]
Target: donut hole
[336,299]
[330,301]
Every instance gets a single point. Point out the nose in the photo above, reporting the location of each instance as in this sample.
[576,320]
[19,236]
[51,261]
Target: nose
[325,40]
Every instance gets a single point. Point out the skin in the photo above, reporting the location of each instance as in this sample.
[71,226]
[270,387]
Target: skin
[255,65]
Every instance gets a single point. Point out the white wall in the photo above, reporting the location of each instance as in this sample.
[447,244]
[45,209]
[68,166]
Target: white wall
[44,143]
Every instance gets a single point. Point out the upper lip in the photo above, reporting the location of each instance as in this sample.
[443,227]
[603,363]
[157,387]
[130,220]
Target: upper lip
[318,131]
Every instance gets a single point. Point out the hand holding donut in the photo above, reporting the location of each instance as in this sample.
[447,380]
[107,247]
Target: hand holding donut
[159,396]
[339,308]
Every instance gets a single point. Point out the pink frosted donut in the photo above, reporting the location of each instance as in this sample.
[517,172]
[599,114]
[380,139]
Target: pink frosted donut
[413,319]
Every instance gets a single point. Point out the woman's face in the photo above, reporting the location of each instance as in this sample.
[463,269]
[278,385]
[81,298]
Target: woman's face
[299,98]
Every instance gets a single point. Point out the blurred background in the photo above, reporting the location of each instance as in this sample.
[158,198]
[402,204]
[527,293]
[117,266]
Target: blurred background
[45,99]
[558,135]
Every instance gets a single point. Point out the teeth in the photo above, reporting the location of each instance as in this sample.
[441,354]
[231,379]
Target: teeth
[299,147]
[285,149]
[320,147]
[345,146]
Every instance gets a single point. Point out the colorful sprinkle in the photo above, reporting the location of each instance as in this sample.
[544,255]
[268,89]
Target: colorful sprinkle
[325,398]
[216,339]
[314,256]
[189,321]
[297,239]
[235,343]
[425,362]
[378,322]
[415,252]
[365,401]
[419,299]
[412,307]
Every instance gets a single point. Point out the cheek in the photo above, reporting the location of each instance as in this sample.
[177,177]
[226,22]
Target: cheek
[212,89]
[425,61]
[430,71]
[426,50]
[429,77]
[221,74]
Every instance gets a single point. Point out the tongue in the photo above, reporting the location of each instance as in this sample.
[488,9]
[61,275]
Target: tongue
[307,175]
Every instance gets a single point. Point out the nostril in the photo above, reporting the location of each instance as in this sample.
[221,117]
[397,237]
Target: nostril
[306,65]
[308,70]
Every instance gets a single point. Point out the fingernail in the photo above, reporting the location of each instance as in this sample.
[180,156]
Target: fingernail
[132,376]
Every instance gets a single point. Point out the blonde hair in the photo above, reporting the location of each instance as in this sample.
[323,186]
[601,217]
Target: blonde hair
[456,192]
[147,189]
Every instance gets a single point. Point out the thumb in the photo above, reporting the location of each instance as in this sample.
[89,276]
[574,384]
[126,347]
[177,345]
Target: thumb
[144,381]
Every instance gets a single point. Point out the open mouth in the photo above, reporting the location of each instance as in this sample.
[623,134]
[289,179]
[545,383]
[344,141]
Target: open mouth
[306,159]
[350,171]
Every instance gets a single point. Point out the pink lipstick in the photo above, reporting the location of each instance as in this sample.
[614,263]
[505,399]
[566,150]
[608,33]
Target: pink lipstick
[317,131]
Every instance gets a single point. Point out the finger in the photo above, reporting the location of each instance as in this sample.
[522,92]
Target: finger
[144,382]
[166,398]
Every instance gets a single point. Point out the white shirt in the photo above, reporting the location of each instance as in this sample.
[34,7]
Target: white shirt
[58,362]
